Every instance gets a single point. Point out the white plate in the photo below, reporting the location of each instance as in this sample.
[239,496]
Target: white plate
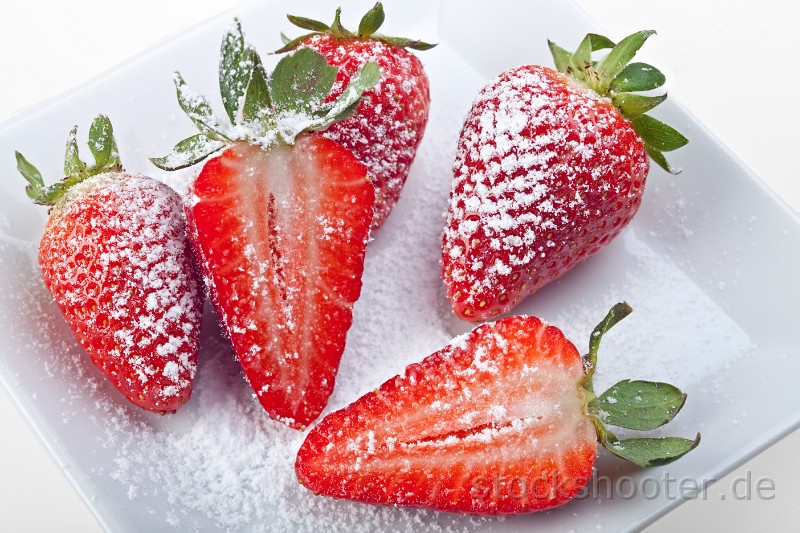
[692,264]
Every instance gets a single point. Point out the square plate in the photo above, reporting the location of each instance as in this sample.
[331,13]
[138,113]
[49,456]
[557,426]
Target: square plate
[691,264]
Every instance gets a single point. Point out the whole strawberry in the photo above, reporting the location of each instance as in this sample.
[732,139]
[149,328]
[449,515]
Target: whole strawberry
[279,220]
[115,257]
[503,420]
[550,167]
[388,125]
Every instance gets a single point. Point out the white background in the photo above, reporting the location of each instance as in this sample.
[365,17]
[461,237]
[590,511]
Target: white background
[731,64]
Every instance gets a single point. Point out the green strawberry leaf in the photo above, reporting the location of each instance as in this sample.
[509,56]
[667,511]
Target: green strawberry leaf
[337,29]
[640,405]
[658,135]
[637,77]
[599,42]
[274,109]
[308,24]
[199,111]
[561,57]
[257,102]
[649,452]
[619,56]
[658,157]
[584,67]
[632,105]
[582,58]
[235,66]
[345,105]
[367,29]
[414,44]
[301,81]
[371,21]
[32,175]
[51,194]
[289,45]
[106,159]
[188,152]
[615,77]
[102,144]
[73,166]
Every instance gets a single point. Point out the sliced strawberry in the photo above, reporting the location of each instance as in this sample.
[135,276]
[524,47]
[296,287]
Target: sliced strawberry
[280,220]
[495,411]
[281,234]
[503,420]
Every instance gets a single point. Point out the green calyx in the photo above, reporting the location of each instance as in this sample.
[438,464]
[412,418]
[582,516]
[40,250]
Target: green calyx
[636,405]
[615,77]
[106,159]
[367,29]
[264,109]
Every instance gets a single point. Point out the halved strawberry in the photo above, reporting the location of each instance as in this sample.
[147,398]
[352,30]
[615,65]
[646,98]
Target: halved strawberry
[279,221]
[282,235]
[388,126]
[115,257]
[503,420]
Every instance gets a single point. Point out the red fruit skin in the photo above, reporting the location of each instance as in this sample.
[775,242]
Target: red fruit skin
[390,120]
[547,172]
[115,257]
[280,236]
[492,424]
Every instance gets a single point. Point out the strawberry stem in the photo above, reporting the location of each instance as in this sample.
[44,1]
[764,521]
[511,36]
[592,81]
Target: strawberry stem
[367,29]
[614,316]
[615,77]
[265,109]
[636,405]
[106,159]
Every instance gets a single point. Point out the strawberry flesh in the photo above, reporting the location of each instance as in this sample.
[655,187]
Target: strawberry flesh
[116,258]
[491,424]
[281,236]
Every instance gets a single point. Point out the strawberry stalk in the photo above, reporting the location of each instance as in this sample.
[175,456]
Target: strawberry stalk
[106,159]
[616,78]
[266,110]
[636,405]
[367,29]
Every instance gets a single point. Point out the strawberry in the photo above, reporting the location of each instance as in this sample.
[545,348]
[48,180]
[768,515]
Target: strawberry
[503,420]
[115,257]
[279,220]
[550,167]
[388,125]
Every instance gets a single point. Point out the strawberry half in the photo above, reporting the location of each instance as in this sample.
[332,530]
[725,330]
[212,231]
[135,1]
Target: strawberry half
[386,129]
[115,257]
[550,167]
[279,221]
[503,420]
